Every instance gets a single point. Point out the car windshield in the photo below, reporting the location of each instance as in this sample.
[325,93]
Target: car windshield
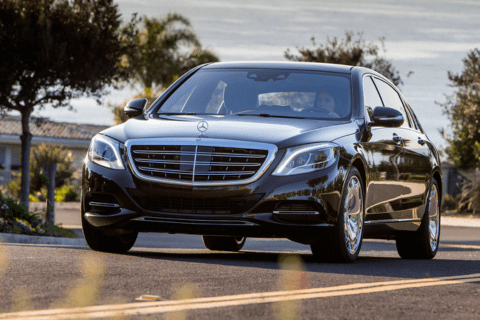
[262,92]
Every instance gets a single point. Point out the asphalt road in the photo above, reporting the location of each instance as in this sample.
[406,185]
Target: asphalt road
[255,283]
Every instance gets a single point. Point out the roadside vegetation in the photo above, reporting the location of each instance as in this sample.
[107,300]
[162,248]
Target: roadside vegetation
[41,156]
[17,219]
[463,110]
[54,51]
[353,50]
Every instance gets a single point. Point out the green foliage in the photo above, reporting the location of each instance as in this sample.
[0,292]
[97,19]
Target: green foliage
[470,198]
[449,202]
[164,50]
[57,50]
[40,156]
[16,210]
[351,52]
[50,154]
[150,94]
[463,109]
[67,193]
[19,220]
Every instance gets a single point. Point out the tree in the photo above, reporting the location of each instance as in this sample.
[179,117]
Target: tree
[41,156]
[350,52]
[54,51]
[463,109]
[164,50]
[157,58]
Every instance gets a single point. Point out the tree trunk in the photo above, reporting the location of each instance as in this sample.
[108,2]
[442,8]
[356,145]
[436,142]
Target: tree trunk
[26,142]
[50,169]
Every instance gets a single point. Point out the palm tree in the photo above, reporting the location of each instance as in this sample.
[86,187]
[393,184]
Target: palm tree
[162,51]
[165,49]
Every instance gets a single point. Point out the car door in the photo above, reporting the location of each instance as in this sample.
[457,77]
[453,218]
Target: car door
[415,161]
[384,156]
[418,152]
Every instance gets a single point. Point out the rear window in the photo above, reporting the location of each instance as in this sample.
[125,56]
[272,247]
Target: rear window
[288,93]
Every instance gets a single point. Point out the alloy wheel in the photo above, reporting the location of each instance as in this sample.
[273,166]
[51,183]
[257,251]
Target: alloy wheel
[353,215]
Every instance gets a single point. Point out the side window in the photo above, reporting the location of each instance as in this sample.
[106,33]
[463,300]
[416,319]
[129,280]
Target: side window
[414,118]
[391,99]
[371,99]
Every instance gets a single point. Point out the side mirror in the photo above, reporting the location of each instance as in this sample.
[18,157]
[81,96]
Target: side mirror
[386,117]
[135,107]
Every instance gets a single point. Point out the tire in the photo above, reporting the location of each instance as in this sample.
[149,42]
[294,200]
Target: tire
[98,241]
[344,241]
[223,243]
[423,244]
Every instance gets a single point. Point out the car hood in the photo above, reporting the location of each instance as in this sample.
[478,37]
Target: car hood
[282,132]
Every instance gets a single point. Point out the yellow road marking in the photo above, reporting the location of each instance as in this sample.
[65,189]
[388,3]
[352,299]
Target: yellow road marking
[143,308]
[461,246]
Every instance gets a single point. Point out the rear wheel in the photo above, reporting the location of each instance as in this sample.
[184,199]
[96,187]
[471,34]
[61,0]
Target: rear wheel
[223,243]
[344,241]
[98,241]
[423,244]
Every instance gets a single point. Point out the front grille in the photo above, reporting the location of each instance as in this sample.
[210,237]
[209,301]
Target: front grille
[214,206]
[206,161]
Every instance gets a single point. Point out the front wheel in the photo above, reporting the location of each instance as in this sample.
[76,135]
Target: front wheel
[423,244]
[344,241]
[224,243]
[98,241]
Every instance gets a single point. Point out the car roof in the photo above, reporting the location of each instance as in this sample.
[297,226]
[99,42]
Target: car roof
[310,66]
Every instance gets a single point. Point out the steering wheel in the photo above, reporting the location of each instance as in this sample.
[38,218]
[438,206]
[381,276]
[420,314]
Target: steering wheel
[322,110]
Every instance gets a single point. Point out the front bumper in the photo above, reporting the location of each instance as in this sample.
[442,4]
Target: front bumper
[285,207]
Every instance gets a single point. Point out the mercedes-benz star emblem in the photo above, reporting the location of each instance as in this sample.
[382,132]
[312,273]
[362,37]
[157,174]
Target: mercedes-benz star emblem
[202,126]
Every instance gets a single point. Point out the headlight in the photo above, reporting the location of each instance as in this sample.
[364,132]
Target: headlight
[307,158]
[105,152]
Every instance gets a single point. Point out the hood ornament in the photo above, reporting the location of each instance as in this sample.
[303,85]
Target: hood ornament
[202,126]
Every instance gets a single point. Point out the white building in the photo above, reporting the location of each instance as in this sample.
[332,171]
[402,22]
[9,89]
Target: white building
[73,136]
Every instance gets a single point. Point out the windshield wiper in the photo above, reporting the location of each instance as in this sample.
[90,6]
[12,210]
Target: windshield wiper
[266,115]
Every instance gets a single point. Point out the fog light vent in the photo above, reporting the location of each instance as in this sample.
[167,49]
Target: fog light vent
[103,203]
[297,212]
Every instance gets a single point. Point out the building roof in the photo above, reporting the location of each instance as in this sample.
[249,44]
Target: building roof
[47,128]
[44,129]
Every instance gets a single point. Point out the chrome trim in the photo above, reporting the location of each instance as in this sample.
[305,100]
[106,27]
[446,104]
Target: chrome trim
[103,204]
[194,221]
[232,164]
[210,173]
[220,154]
[353,210]
[398,118]
[310,213]
[271,148]
[393,221]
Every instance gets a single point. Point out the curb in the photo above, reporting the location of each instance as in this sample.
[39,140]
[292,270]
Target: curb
[27,239]
[460,222]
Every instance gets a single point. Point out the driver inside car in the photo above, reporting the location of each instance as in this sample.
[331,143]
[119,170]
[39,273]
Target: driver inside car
[325,101]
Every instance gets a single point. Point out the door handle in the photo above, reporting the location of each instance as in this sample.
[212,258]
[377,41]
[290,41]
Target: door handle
[421,141]
[397,139]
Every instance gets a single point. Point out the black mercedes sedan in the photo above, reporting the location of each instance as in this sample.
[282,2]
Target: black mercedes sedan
[324,155]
